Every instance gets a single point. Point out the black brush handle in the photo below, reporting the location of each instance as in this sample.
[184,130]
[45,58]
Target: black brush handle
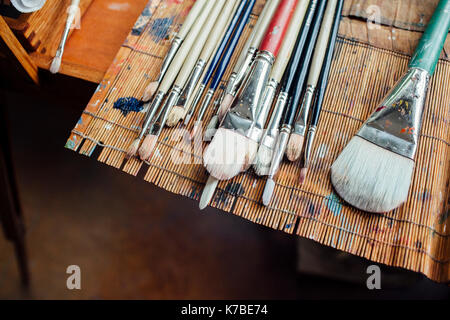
[294,61]
[302,71]
[324,74]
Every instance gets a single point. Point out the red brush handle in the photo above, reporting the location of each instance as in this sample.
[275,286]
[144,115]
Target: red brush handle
[278,26]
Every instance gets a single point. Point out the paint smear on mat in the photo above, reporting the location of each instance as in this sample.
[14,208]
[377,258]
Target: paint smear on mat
[142,21]
[128,104]
[333,203]
[160,28]
[115,6]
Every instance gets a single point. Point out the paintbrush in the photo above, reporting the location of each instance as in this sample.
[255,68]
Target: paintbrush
[295,145]
[374,171]
[190,50]
[221,68]
[217,26]
[295,93]
[72,12]
[247,56]
[323,83]
[168,79]
[177,41]
[232,147]
[216,59]
[291,41]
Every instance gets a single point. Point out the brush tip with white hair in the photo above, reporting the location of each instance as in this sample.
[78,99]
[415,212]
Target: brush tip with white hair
[208,192]
[56,65]
[295,147]
[268,191]
[133,148]
[225,105]
[175,116]
[371,178]
[147,147]
[263,161]
[211,129]
[150,91]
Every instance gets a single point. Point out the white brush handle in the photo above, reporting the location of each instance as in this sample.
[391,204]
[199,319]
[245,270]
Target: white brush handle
[289,41]
[259,30]
[218,28]
[185,48]
[191,18]
[322,44]
[196,49]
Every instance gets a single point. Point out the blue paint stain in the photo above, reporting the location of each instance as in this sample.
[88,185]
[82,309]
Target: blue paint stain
[333,204]
[288,226]
[80,121]
[142,21]
[160,28]
[70,145]
[128,104]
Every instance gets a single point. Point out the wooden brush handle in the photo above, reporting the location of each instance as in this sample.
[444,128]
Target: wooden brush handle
[217,31]
[196,49]
[278,27]
[191,18]
[185,48]
[322,44]
[430,47]
[289,41]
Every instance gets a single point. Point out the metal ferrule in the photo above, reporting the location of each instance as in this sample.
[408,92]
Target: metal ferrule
[192,83]
[176,43]
[162,118]
[196,101]
[243,111]
[245,65]
[156,103]
[302,120]
[205,104]
[396,123]
[263,111]
[271,134]
[280,148]
[309,144]
[231,88]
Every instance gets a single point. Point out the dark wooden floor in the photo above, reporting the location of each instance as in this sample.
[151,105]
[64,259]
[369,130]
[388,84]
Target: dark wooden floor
[132,240]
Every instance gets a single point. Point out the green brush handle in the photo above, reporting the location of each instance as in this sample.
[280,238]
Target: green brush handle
[430,47]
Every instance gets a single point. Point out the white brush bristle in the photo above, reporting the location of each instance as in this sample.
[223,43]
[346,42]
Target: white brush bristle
[268,192]
[228,154]
[133,148]
[56,65]
[146,150]
[263,160]
[295,147]
[372,178]
[150,91]
[225,106]
[208,192]
[175,115]
[211,129]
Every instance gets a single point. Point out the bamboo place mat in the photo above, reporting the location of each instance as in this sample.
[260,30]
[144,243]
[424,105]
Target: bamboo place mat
[415,237]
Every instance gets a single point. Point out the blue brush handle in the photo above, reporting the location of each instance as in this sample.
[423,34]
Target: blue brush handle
[223,44]
[232,46]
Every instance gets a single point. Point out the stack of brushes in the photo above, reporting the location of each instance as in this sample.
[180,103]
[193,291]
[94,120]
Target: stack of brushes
[273,99]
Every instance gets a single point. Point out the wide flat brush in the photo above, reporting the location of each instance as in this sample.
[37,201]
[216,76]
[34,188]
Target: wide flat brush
[190,49]
[247,56]
[295,94]
[169,78]
[322,88]
[175,45]
[295,145]
[374,171]
[72,12]
[232,148]
[216,59]
[221,68]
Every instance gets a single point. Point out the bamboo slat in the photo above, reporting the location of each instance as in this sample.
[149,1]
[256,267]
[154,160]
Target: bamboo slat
[415,237]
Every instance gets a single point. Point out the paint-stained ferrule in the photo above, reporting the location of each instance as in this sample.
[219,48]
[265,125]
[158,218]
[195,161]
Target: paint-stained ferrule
[309,144]
[243,111]
[156,103]
[165,111]
[396,123]
[176,44]
[280,149]
[302,120]
[192,83]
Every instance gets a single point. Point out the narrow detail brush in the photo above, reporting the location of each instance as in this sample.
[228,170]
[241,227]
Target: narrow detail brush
[232,148]
[72,12]
[175,45]
[295,145]
[323,83]
[374,171]
[295,94]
